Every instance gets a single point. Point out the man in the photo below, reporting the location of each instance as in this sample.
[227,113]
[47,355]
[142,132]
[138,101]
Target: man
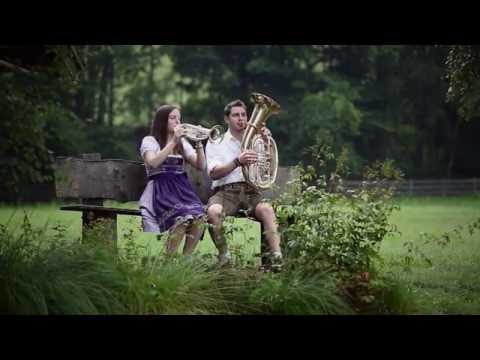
[231,192]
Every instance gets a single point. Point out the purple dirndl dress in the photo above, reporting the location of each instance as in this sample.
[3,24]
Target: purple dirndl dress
[168,199]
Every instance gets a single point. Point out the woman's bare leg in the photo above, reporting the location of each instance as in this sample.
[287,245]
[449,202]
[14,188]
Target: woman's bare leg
[192,237]
[174,240]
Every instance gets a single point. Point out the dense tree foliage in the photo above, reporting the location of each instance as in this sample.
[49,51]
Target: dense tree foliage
[407,103]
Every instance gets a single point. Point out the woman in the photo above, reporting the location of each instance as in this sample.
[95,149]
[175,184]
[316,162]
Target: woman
[169,202]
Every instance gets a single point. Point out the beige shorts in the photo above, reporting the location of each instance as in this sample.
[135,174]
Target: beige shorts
[236,198]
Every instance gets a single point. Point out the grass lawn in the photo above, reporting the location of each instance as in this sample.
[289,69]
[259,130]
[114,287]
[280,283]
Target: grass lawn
[247,240]
[451,285]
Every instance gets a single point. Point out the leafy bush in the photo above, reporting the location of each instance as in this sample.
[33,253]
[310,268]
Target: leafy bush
[326,227]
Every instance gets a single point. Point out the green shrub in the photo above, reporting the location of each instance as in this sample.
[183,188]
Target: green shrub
[327,228]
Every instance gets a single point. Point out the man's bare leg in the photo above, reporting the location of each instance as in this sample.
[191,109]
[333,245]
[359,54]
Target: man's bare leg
[215,219]
[264,212]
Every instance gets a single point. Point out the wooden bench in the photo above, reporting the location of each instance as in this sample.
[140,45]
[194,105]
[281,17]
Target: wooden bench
[89,180]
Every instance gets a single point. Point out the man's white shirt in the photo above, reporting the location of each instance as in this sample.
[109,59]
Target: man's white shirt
[223,153]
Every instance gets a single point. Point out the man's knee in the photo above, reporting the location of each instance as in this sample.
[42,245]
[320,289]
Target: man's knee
[264,211]
[214,213]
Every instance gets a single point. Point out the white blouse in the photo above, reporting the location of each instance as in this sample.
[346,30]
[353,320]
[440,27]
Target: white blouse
[149,143]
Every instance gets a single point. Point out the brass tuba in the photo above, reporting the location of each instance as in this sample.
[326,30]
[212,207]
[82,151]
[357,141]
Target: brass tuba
[263,173]
[199,133]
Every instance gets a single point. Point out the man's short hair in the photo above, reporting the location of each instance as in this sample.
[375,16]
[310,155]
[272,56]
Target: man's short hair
[234,103]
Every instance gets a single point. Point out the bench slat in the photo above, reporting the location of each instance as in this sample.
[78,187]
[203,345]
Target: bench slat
[101,209]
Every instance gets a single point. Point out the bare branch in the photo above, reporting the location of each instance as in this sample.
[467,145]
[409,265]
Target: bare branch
[14,67]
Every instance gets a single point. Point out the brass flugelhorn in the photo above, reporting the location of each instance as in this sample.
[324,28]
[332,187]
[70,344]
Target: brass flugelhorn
[200,133]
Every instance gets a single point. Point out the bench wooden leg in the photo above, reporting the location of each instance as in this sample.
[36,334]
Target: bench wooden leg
[100,226]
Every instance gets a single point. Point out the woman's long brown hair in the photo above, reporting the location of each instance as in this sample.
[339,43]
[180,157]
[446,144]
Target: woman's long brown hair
[159,128]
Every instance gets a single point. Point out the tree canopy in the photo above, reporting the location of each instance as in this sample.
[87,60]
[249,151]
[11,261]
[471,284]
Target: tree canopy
[416,105]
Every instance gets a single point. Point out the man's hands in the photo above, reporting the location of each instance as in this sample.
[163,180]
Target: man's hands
[248,157]
[265,132]
[251,157]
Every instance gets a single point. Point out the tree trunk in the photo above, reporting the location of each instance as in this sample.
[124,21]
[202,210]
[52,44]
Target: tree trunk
[453,141]
[79,103]
[102,96]
[151,81]
[80,96]
[111,91]
[91,84]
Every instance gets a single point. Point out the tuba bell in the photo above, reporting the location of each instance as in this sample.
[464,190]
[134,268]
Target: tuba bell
[263,173]
[199,133]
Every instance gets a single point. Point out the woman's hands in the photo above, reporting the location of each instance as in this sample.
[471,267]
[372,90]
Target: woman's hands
[178,133]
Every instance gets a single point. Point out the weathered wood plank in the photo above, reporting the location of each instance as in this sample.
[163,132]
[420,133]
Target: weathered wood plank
[120,180]
[101,209]
[124,180]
